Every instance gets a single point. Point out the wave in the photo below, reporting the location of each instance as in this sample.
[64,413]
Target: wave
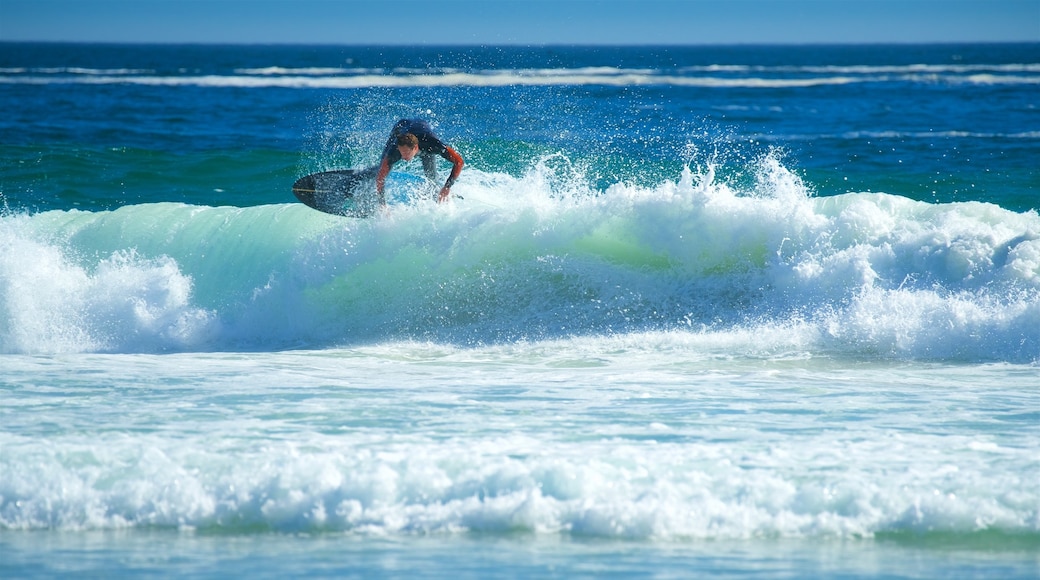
[75,70]
[438,80]
[503,80]
[538,256]
[314,70]
[871,69]
[864,70]
[902,135]
[380,485]
[713,76]
[783,71]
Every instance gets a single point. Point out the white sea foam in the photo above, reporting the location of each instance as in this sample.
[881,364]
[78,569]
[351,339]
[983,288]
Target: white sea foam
[500,79]
[121,302]
[311,71]
[715,76]
[628,491]
[616,437]
[73,70]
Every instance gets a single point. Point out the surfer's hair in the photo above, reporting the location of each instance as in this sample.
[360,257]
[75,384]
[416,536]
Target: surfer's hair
[407,140]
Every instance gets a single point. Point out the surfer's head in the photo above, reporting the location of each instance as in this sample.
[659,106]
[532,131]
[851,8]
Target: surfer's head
[408,145]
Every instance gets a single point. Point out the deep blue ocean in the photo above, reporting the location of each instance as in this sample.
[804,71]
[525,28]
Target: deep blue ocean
[749,311]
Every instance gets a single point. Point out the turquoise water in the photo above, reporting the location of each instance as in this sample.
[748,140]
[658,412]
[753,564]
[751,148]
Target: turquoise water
[736,311]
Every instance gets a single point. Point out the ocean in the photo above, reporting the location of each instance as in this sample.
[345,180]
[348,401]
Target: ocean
[745,312]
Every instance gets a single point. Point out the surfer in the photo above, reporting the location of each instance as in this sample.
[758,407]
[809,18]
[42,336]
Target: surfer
[411,137]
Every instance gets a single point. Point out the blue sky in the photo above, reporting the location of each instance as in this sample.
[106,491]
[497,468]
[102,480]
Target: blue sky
[521,22]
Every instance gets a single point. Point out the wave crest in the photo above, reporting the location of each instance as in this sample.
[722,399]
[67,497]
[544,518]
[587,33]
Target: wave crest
[538,256]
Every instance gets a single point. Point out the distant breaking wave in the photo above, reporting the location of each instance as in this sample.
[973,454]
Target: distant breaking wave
[710,76]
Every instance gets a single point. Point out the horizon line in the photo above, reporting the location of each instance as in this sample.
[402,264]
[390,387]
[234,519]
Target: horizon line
[524,45]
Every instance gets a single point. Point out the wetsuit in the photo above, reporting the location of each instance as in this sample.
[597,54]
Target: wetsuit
[429,145]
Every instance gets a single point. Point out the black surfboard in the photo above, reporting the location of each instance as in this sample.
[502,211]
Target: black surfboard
[352,192]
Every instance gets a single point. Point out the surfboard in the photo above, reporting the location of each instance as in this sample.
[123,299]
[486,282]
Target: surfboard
[352,192]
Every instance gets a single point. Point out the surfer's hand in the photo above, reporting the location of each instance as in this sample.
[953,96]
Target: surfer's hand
[445,192]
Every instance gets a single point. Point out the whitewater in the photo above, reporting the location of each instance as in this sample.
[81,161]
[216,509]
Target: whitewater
[534,258]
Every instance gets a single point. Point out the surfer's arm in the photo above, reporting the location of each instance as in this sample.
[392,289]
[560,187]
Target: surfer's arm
[384,170]
[456,168]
